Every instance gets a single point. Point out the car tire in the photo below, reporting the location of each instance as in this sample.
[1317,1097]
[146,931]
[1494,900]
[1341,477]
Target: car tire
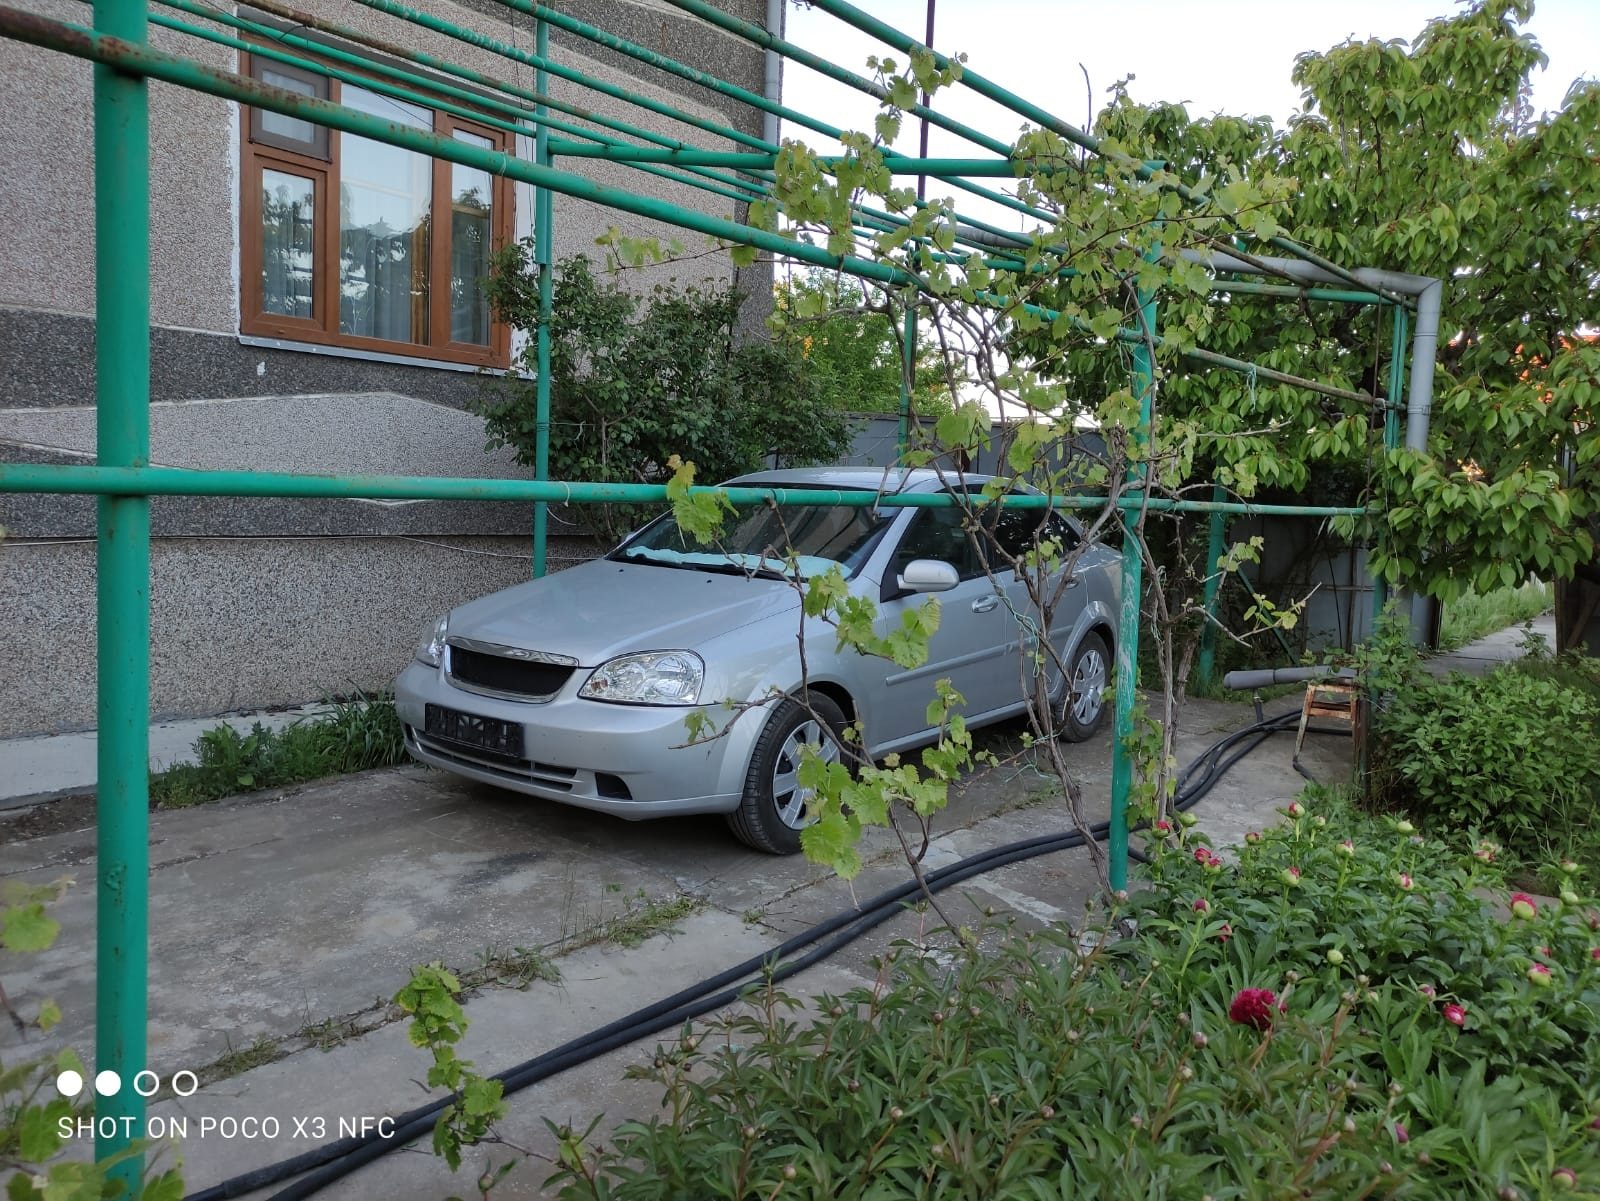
[774,809]
[1083,706]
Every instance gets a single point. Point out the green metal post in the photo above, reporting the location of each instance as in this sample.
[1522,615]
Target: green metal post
[1128,622]
[122,439]
[1207,669]
[906,369]
[544,209]
[1391,430]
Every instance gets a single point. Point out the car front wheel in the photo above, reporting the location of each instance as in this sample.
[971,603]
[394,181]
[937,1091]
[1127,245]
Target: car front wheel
[774,808]
[1083,706]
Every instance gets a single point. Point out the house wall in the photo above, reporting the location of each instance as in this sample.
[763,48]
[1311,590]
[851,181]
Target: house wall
[260,601]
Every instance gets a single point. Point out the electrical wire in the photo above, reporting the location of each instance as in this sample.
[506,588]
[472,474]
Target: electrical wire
[323,1165]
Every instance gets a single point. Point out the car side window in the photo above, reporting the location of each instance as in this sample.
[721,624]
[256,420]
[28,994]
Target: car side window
[938,534]
[1014,531]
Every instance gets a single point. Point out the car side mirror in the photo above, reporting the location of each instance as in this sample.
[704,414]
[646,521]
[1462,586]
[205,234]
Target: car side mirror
[929,575]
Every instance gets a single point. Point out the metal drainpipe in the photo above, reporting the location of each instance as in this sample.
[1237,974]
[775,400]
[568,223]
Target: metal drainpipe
[772,87]
[1423,346]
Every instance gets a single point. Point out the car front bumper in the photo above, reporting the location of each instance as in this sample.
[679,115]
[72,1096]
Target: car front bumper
[626,760]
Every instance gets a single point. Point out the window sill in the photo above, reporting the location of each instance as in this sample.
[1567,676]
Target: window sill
[368,356]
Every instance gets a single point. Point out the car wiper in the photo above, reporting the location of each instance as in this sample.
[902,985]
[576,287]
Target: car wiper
[755,573]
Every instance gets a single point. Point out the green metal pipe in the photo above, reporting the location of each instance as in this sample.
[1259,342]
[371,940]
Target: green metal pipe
[543,218]
[671,66]
[175,481]
[1127,694]
[122,588]
[1391,433]
[472,38]
[718,158]
[767,40]
[1207,667]
[908,367]
[891,36]
[1337,295]
[481,105]
[85,43]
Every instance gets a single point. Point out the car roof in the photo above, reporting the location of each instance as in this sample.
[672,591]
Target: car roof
[858,479]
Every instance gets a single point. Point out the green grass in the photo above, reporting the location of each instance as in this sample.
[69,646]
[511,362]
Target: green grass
[354,736]
[1474,615]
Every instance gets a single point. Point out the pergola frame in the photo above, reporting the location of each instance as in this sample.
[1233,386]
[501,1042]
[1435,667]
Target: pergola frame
[123,479]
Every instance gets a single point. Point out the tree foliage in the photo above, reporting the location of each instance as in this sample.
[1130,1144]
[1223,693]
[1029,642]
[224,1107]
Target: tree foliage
[854,346]
[1421,158]
[638,379]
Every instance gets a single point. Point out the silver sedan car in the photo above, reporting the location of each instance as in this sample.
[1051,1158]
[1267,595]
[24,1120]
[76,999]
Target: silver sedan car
[575,687]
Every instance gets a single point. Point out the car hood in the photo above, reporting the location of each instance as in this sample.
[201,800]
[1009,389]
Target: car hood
[601,609]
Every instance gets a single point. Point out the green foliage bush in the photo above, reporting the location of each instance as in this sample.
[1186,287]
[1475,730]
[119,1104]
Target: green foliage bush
[636,380]
[1508,753]
[355,735]
[1404,1045]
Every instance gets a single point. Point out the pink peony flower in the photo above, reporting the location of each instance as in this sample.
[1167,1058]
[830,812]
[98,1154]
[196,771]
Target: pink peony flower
[1346,847]
[1427,990]
[1406,884]
[1594,954]
[1564,1178]
[1290,876]
[1201,905]
[1163,826]
[1400,1133]
[1539,974]
[1455,1014]
[1224,934]
[1522,905]
[1254,1007]
[1252,837]
[1295,809]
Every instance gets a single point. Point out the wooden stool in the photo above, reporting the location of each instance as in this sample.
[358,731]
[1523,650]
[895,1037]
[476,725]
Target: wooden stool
[1340,700]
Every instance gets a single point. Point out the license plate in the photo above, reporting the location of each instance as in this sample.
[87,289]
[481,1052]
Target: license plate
[499,738]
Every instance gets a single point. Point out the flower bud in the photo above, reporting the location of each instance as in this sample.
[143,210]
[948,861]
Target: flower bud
[896,1113]
[1568,897]
[748,1132]
[1201,905]
[1295,809]
[1200,1041]
[1405,827]
[1185,818]
[1405,882]
[1568,867]
[1047,1112]
[1346,847]
[1335,956]
[1318,820]
[1252,838]
[1523,906]
[1539,974]
[1349,1125]
[1185,1072]
[1564,1179]
[1455,1014]
[788,1171]
[1290,876]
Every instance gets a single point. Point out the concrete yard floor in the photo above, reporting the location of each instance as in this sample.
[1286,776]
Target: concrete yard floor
[282,926]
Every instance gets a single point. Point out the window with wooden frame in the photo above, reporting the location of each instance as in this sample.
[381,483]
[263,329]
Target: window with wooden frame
[347,241]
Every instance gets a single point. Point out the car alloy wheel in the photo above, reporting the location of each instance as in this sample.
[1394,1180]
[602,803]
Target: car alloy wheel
[774,808]
[1083,707]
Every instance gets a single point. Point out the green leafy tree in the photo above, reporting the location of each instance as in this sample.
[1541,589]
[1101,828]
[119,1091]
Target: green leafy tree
[1419,157]
[853,345]
[635,380]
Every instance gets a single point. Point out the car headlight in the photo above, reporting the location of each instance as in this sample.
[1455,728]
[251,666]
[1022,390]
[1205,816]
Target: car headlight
[653,678]
[431,649]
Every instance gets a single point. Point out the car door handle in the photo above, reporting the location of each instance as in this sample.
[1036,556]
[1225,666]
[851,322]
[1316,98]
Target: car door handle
[984,603]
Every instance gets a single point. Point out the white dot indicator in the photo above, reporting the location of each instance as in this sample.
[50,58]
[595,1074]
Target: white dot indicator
[107,1083]
[69,1083]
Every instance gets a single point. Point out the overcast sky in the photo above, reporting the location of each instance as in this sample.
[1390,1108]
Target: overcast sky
[1232,56]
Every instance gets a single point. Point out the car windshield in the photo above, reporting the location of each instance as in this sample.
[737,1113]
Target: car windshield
[761,539]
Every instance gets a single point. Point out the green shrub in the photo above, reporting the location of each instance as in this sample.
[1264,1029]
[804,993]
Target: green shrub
[1513,754]
[354,736]
[1335,1016]
[637,380]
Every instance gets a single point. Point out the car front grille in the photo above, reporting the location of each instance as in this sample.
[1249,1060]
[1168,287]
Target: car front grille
[503,676]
